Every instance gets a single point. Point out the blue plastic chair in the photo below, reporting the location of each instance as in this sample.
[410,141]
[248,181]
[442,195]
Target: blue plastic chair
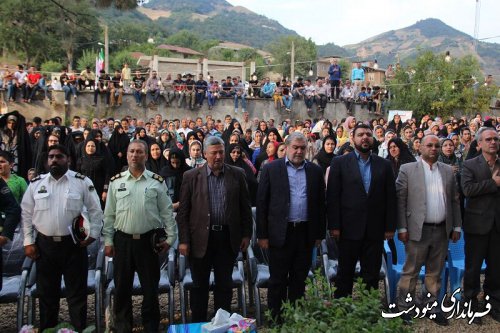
[395,269]
[456,264]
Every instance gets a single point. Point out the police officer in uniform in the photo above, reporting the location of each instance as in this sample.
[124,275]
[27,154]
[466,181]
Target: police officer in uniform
[49,206]
[12,211]
[137,207]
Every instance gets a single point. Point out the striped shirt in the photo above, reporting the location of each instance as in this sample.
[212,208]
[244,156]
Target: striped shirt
[216,197]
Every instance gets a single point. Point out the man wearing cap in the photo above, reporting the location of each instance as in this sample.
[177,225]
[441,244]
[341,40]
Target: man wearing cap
[49,206]
[137,208]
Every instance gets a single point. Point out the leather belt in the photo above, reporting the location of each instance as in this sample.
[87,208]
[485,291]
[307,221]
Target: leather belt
[56,239]
[219,227]
[134,236]
[430,224]
[296,224]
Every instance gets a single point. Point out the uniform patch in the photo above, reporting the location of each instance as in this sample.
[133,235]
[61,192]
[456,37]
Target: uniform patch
[42,189]
[79,175]
[5,190]
[36,178]
[91,188]
[116,176]
[122,187]
[158,178]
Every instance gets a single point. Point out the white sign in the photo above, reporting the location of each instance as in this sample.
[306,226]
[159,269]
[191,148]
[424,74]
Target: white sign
[405,115]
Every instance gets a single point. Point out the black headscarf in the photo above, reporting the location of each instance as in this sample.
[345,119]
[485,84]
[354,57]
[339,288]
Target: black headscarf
[168,171]
[24,150]
[405,156]
[185,147]
[323,158]
[118,143]
[158,164]
[249,175]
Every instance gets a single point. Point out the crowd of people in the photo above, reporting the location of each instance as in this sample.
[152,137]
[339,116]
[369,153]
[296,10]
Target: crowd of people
[185,91]
[419,178]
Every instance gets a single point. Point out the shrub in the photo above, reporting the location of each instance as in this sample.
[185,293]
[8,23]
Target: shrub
[51,66]
[118,59]
[318,311]
[88,58]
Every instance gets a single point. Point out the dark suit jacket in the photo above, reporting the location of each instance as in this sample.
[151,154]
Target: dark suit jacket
[350,209]
[273,203]
[482,197]
[193,215]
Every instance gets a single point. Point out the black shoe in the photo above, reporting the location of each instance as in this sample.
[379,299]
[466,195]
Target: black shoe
[495,314]
[439,319]
[407,318]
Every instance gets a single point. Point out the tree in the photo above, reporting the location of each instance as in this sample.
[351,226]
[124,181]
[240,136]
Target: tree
[305,55]
[431,84]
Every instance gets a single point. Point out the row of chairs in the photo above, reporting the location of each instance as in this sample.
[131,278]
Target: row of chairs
[19,277]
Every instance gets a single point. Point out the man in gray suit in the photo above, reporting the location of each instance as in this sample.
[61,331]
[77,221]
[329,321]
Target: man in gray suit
[480,183]
[428,215]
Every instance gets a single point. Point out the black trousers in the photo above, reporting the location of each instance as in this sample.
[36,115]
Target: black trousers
[369,253]
[335,88]
[58,259]
[321,101]
[288,268]
[135,255]
[219,256]
[479,248]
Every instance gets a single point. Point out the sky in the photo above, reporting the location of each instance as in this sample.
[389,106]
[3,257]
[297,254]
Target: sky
[352,21]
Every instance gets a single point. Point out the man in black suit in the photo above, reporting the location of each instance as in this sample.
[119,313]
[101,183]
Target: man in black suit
[290,220]
[361,201]
[480,183]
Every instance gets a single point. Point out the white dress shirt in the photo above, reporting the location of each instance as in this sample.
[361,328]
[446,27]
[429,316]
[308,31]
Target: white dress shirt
[435,208]
[49,205]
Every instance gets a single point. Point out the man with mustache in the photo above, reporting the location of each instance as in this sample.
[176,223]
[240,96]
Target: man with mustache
[49,206]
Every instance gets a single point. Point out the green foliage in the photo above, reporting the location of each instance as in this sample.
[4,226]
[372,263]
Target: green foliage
[118,59]
[88,58]
[331,49]
[432,85]
[51,66]
[186,39]
[319,312]
[305,55]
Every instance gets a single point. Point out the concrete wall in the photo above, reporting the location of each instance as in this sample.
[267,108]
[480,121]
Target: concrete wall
[82,106]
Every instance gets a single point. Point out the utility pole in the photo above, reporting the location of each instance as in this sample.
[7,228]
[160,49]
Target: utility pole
[292,65]
[106,49]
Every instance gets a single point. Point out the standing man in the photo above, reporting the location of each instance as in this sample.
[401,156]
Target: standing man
[49,206]
[290,220]
[428,215]
[358,76]
[480,184]
[137,208]
[215,223]
[12,211]
[335,77]
[361,208]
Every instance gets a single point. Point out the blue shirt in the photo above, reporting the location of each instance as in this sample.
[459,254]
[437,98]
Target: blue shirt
[365,169]
[298,192]
[357,74]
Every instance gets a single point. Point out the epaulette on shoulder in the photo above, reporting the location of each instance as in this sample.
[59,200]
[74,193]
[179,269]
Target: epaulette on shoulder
[79,175]
[37,178]
[158,177]
[119,175]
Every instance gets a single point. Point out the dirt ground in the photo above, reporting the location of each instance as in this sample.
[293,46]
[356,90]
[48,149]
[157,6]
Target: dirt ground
[8,318]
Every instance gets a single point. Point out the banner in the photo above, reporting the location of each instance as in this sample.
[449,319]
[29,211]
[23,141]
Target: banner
[405,115]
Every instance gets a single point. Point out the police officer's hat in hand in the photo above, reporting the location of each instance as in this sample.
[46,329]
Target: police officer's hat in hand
[80,227]
[159,236]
